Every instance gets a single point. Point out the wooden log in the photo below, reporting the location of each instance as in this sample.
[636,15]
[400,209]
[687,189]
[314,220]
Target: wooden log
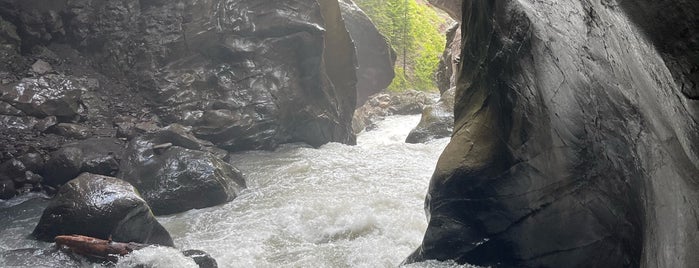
[91,247]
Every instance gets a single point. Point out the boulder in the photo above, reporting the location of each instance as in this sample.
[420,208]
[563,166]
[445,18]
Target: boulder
[101,207]
[575,141]
[49,95]
[390,103]
[437,120]
[375,57]
[7,189]
[9,122]
[201,258]
[71,130]
[173,178]
[96,155]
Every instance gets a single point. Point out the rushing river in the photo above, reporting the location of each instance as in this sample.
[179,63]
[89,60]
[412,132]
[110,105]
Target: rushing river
[336,206]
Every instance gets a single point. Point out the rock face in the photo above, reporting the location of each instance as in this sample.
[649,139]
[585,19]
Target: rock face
[390,103]
[447,70]
[246,74]
[100,206]
[174,176]
[437,120]
[576,142]
[375,57]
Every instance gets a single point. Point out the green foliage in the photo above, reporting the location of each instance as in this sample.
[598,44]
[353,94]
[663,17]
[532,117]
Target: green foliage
[422,43]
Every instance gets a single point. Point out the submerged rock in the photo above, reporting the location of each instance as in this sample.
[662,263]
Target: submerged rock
[375,57]
[576,143]
[177,177]
[437,120]
[203,259]
[101,207]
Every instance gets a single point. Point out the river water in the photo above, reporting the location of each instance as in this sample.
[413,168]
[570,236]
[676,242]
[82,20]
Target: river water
[336,206]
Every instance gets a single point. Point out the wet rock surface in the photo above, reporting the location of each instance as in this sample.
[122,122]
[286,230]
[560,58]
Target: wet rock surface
[101,207]
[97,155]
[375,57]
[390,103]
[447,70]
[437,120]
[575,141]
[236,74]
[174,176]
[201,258]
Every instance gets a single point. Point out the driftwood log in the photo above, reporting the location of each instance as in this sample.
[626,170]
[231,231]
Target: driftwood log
[91,247]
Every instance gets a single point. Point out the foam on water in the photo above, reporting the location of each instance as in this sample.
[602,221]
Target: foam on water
[336,206]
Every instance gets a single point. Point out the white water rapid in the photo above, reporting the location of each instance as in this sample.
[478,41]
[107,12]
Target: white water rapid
[336,206]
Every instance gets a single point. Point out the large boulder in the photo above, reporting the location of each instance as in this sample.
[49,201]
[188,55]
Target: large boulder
[173,176]
[576,142]
[96,155]
[437,120]
[101,207]
[375,57]
[49,95]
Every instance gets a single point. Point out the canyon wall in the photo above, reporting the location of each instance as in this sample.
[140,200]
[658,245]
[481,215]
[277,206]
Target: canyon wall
[576,142]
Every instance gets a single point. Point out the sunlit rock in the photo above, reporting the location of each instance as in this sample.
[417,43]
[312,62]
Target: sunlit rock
[437,120]
[375,57]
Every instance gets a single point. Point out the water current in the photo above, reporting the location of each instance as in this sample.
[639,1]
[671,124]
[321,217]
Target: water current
[336,206]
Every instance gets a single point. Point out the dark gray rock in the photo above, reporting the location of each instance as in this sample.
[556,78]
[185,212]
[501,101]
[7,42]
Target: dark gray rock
[13,169]
[446,74]
[390,103]
[7,189]
[47,95]
[437,120]
[96,155]
[18,122]
[13,64]
[201,258]
[375,57]
[575,144]
[101,207]
[71,130]
[175,179]
[41,67]
[46,123]
[32,178]
[287,71]
[33,161]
